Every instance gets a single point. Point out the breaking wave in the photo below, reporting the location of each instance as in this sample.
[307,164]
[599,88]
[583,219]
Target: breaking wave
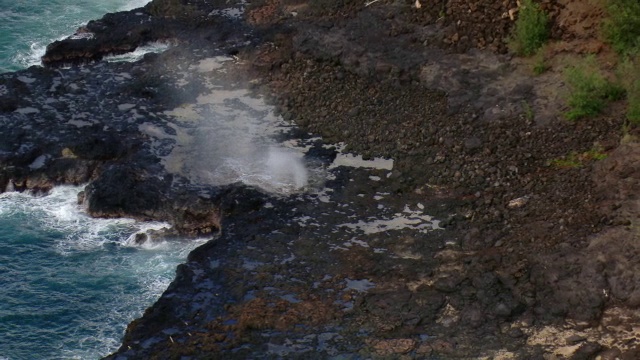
[72,283]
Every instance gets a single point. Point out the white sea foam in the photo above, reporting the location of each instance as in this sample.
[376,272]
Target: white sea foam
[46,26]
[275,170]
[82,252]
[10,186]
[32,57]
[138,53]
[286,168]
[133,4]
[144,228]
[60,212]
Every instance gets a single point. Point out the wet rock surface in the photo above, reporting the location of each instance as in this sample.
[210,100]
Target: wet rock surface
[477,243]
[158,21]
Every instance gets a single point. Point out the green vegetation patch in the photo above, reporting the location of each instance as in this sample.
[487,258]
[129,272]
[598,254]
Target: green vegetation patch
[578,160]
[629,73]
[566,163]
[539,64]
[531,29]
[527,111]
[622,28]
[633,109]
[590,90]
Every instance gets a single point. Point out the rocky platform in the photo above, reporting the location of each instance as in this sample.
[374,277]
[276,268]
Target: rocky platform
[477,244]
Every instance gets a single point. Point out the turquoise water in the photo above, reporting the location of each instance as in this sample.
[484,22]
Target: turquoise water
[69,283]
[27,26]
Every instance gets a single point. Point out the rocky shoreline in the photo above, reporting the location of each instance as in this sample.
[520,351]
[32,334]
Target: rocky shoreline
[502,254]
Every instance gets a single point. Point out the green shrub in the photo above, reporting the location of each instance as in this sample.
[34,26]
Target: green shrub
[531,29]
[629,72]
[622,28]
[590,90]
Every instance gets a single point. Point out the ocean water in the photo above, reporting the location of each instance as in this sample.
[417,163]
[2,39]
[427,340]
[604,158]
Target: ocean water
[28,26]
[69,283]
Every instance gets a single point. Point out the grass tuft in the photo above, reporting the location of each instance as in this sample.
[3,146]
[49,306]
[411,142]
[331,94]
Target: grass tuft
[578,160]
[528,111]
[540,65]
[531,29]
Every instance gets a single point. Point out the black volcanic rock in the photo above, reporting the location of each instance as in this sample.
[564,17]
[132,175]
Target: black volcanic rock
[114,34]
[101,146]
[13,93]
[123,32]
[123,190]
[351,268]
